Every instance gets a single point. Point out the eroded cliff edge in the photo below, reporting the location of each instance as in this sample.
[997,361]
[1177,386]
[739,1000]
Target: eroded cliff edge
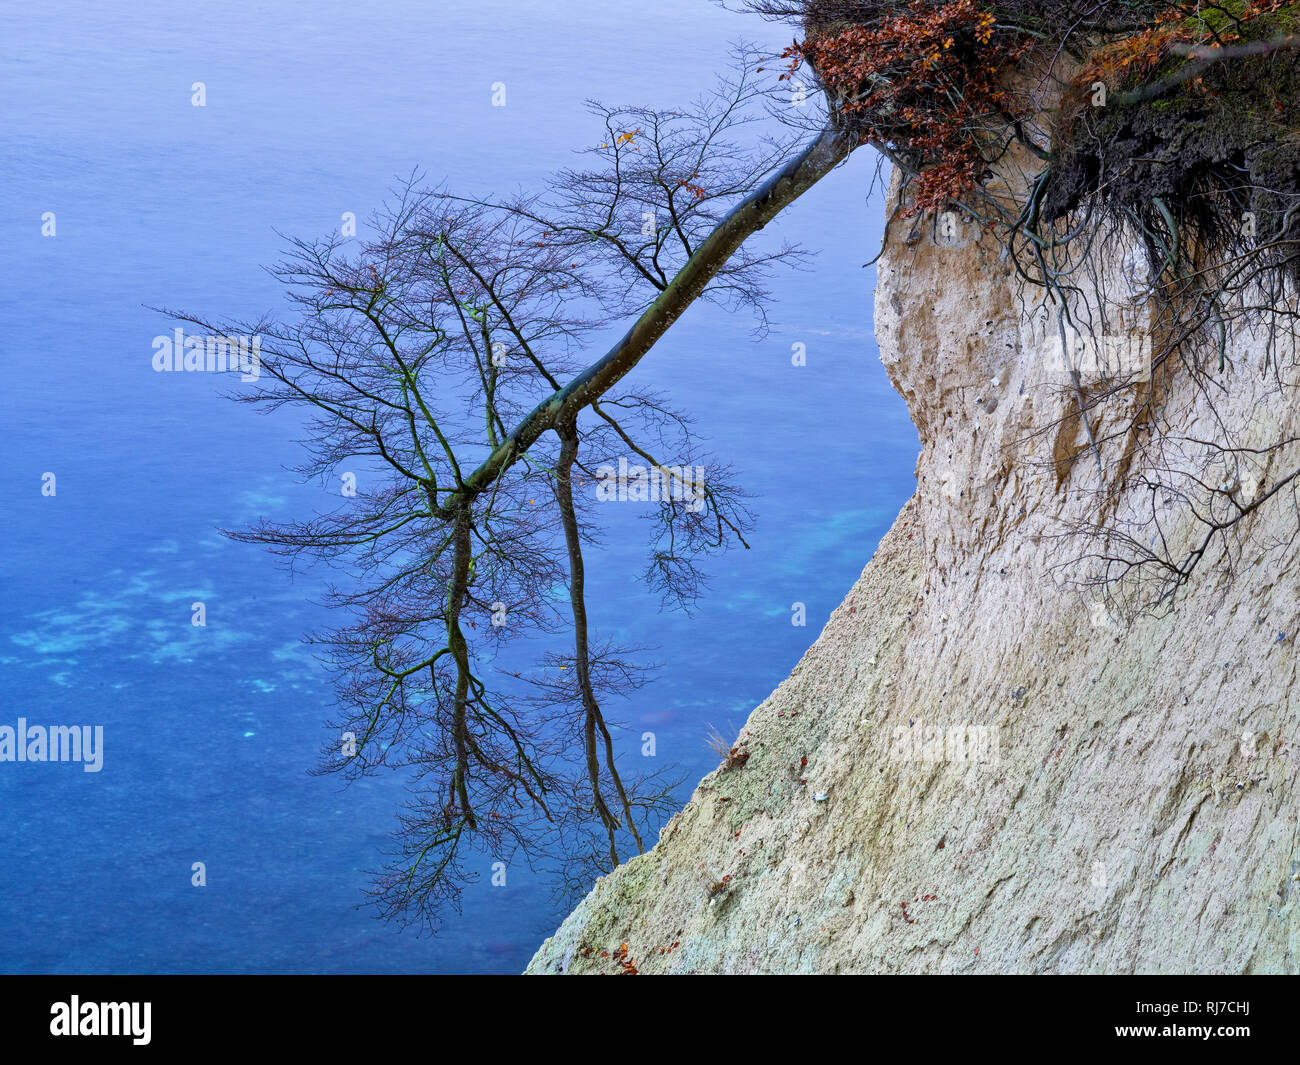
[1123,800]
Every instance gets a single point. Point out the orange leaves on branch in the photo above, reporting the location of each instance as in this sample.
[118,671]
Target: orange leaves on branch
[624,138]
[1136,56]
[694,190]
[924,79]
[793,54]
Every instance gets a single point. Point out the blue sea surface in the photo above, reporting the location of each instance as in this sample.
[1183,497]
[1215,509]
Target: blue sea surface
[313,109]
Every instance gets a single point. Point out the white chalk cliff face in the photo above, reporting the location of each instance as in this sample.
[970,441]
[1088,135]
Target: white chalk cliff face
[980,765]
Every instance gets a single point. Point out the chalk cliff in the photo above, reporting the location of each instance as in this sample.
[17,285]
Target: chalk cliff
[989,761]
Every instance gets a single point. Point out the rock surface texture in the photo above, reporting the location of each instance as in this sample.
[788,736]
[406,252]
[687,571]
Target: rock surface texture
[983,764]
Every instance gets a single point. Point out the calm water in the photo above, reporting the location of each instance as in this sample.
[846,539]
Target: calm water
[314,109]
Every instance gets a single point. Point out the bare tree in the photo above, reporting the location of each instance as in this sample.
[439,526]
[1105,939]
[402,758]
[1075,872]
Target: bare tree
[447,358]
[444,360]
